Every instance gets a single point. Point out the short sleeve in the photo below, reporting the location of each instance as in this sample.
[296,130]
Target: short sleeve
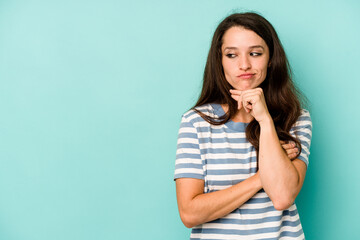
[188,162]
[302,130]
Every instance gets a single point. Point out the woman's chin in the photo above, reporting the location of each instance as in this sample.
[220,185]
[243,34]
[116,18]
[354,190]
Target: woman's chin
[243,88]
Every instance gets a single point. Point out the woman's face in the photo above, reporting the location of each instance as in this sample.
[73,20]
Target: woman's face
[245,58]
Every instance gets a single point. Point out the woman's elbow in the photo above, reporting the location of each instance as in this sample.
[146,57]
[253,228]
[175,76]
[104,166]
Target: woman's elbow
[283,203]
[188,224]
[189,220]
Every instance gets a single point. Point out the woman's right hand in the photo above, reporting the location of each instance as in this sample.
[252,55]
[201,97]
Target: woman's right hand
[290,149]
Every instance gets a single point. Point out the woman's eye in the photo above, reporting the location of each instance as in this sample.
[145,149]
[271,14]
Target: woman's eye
[230,55]
[255,54]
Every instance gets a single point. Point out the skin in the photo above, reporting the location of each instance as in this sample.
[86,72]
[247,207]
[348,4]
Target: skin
[244,52]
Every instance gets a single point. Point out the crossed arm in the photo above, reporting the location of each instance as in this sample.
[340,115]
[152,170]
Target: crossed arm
[279,175]
[197,207]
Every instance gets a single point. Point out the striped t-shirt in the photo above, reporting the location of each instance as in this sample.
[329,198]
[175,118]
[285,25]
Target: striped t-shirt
[222,157]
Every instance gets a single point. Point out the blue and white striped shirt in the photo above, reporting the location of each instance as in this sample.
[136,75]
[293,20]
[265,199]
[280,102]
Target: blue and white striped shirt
[222,157]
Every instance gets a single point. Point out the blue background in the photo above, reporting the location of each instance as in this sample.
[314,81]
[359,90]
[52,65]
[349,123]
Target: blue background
[91,96]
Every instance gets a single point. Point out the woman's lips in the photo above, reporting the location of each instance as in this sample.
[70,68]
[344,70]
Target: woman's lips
[246,75]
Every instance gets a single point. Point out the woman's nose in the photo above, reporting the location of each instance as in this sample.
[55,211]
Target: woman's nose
[244,63]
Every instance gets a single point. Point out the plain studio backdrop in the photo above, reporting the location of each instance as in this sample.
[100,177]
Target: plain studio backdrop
[91,97]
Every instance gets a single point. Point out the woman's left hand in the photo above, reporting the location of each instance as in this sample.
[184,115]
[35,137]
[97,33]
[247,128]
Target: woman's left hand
[253,101]
[290,149]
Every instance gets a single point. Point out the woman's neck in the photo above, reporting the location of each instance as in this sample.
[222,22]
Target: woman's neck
[240,116]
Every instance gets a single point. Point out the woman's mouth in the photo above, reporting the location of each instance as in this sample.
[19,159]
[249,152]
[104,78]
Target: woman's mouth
[246,75]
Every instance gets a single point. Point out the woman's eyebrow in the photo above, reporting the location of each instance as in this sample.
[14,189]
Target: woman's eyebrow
[257,46]
[251,47]
[231,48]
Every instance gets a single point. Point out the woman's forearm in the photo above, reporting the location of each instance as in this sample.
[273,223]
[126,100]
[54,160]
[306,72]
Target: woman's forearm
[206,207]
[278,175]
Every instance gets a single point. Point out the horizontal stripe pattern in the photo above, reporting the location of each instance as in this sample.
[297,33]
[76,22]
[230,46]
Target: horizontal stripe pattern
[222,157]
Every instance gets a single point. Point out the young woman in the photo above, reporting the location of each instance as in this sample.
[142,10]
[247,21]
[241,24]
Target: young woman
[243,148]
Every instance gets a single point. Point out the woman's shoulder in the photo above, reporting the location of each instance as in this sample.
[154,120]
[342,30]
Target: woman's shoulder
[304,115]
[194,113]
[304,118]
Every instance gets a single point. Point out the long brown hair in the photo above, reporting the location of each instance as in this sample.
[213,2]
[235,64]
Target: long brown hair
[282,97]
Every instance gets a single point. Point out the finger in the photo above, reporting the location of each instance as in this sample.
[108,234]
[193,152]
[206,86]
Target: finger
[292,150]
[237,92]
[248,108]
[240,105]
[250,99]
[287,146]
[253,98]
[292,156]
[282,142]
[249,90]
[236,97]
[247,104]
[290,143]
[252,92]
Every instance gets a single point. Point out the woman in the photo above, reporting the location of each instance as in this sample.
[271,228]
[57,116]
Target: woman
[233,178]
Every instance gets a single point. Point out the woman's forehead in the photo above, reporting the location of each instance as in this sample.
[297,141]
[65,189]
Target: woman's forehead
[239,37]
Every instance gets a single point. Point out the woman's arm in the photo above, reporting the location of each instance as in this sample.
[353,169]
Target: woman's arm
[281,178]
[197,207]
